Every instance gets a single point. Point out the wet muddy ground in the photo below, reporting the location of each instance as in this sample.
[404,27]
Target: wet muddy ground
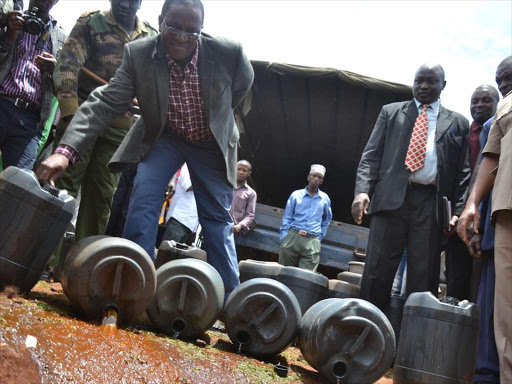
[70,350]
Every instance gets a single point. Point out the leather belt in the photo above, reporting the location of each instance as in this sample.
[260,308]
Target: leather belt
[421,186]
[22,104]
[303,233]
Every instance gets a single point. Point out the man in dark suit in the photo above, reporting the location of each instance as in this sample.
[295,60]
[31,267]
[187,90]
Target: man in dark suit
[187,84]
[416,155]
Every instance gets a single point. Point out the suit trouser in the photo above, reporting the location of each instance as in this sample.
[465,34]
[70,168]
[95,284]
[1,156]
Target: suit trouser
[487,364]
[459,266]
[413,227]
[300,251]
[212,191]
[98,185]
[503,296]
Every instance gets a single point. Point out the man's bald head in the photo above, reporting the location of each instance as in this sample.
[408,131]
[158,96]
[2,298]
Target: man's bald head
[483,103]
[504,76]
[432,67]
[246,163]
[429,81]
[243,171]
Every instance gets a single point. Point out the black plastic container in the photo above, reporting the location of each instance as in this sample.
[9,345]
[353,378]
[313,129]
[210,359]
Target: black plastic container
[32,222]
[171,250]
[342,290]
[103,272]
[438,341]
[262,317]
[349,341]
[253,269]
[309,287]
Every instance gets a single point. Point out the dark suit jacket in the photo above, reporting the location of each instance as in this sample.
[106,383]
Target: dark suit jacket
[382,173]
[225,74]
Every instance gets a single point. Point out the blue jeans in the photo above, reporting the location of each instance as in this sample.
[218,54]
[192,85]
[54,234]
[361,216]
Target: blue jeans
[19,135]
[400,277]
[487,363]
[212,191]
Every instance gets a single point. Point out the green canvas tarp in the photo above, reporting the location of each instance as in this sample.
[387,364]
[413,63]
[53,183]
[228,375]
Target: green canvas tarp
[296,116]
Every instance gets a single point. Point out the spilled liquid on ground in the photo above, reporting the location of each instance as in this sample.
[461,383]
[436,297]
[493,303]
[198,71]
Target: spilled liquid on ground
[70,350]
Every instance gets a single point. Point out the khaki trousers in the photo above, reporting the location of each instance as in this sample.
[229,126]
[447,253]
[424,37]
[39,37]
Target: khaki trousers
[503,296]
[300,251]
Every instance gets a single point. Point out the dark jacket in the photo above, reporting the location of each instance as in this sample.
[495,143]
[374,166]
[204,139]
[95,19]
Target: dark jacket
[382,173]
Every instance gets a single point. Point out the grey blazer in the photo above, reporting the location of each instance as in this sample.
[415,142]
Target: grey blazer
[225,74]
[382,173]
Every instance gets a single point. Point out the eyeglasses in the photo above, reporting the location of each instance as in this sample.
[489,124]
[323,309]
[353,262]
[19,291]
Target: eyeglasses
[191,36]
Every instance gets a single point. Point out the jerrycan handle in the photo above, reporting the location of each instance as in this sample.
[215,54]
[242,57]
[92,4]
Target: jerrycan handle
[51,190]
[449,300]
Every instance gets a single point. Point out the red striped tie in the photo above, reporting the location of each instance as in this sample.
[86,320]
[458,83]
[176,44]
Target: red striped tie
[415,158]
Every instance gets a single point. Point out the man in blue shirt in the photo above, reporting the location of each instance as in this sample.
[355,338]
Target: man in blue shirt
[305,221]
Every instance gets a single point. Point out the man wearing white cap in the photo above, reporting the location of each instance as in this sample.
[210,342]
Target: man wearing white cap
[305,221]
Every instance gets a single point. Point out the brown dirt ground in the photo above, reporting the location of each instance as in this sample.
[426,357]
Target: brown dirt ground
[72,351]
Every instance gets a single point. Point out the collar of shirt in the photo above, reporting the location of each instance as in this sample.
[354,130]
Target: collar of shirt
[190,67]
[475,126]
[434,106]
[139,26]
[306,191]
[243,186]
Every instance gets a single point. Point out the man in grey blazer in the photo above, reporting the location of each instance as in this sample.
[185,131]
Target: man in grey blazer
[187,84]
[406,175]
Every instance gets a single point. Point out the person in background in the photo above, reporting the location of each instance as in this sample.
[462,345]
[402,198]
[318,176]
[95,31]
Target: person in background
[495,172]
[244,200]
[27,61]
[459,265]
[182,218]
[416,155]
[306,218]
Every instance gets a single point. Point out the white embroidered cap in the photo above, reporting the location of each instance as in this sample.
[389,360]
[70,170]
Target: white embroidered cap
[317,168]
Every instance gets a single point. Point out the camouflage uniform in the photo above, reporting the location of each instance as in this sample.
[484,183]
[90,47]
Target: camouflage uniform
[97,43]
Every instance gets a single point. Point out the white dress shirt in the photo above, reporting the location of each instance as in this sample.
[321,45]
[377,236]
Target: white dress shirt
[183,205]
[427,174]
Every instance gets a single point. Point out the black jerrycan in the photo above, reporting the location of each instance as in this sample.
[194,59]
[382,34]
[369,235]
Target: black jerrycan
[103,272]
[252,269]
[32,221]
[171,250]
[262,317]
[438,341]
[188,299]
[349,341]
